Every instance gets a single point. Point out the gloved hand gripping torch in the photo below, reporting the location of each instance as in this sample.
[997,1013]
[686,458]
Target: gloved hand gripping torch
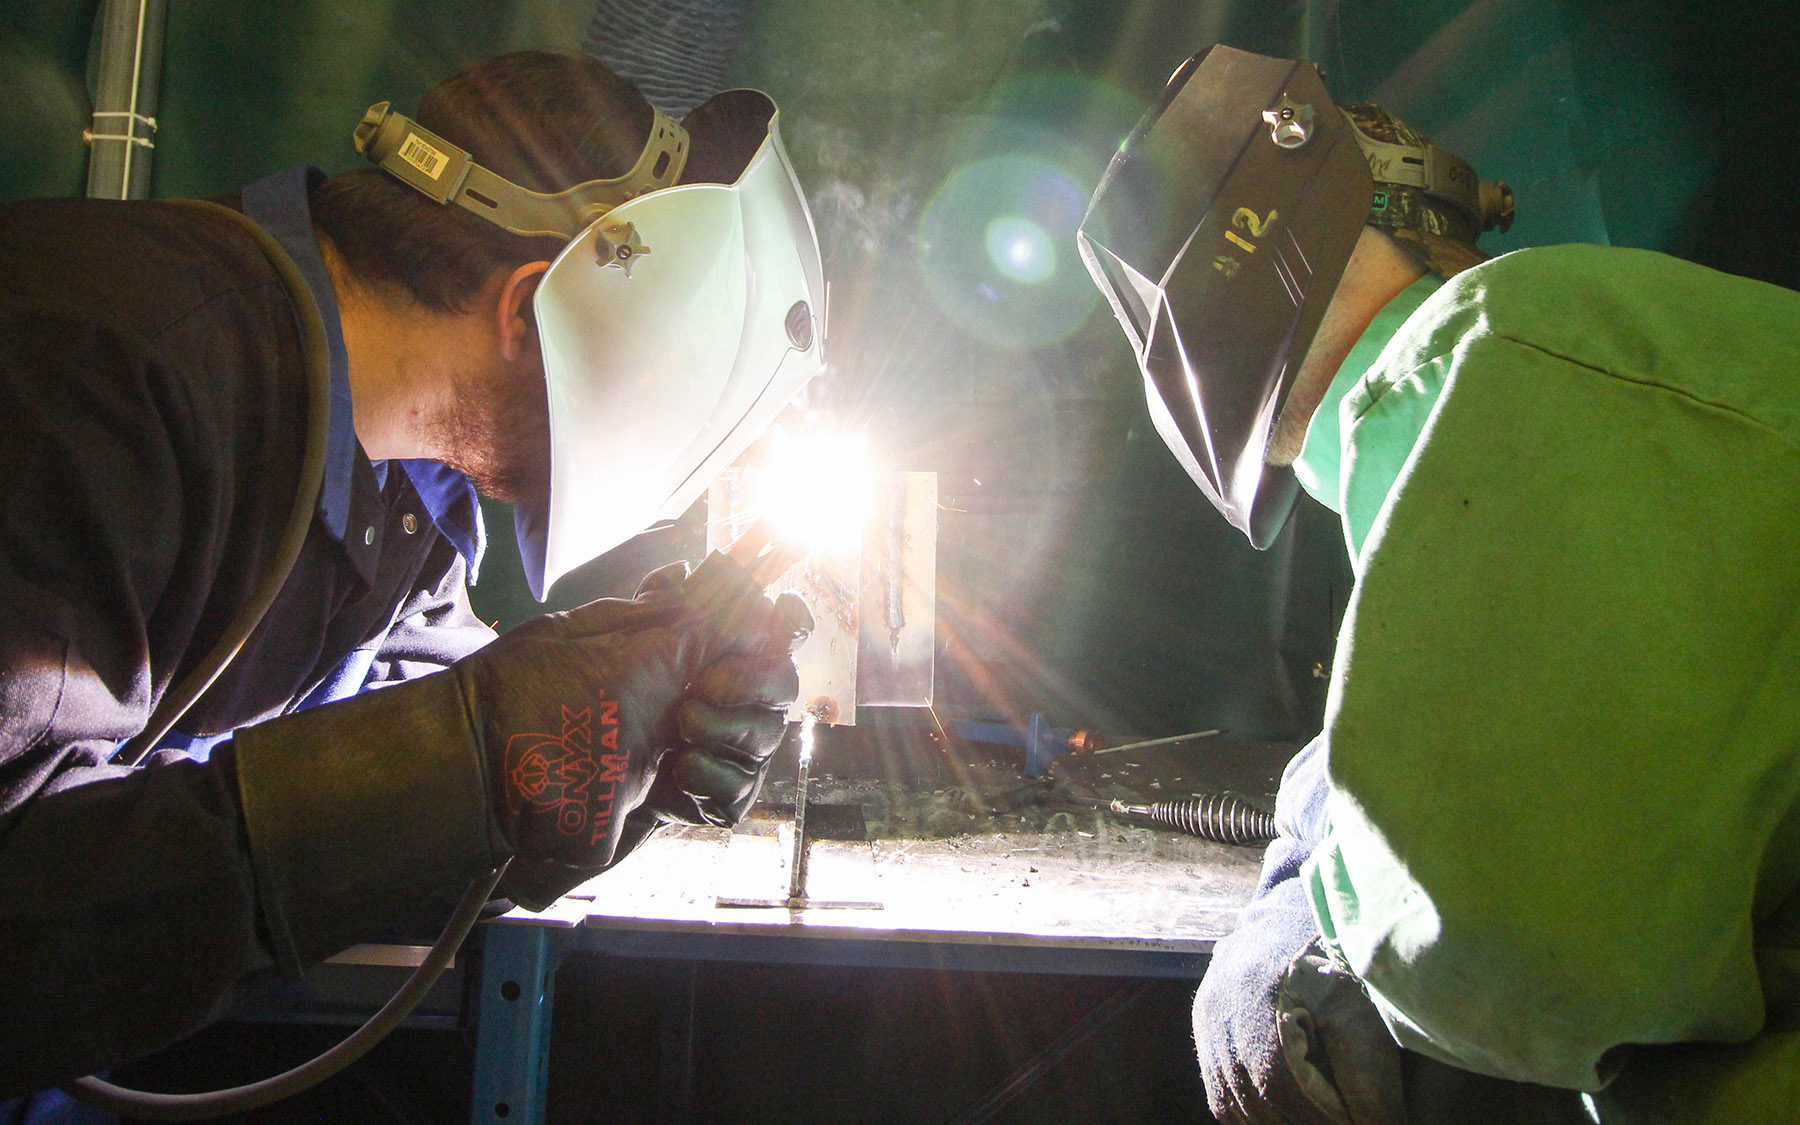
[543,759]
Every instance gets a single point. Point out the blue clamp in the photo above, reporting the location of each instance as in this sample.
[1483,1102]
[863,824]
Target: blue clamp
[1043,743]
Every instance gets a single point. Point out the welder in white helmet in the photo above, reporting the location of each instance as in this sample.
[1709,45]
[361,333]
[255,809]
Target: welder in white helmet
[1550,833]
[546,291]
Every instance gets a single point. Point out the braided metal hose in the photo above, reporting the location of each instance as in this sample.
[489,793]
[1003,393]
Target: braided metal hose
[1214,816]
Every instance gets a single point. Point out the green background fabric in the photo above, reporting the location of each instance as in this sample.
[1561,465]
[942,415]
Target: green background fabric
[1567,696]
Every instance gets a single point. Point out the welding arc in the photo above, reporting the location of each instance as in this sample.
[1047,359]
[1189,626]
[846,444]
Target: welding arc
[1217,817]
[761,552]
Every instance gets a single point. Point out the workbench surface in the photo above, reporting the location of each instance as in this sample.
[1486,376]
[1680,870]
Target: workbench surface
[994,860]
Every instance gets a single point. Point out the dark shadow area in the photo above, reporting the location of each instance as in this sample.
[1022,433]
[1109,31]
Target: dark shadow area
[797,1043]
[414,1077]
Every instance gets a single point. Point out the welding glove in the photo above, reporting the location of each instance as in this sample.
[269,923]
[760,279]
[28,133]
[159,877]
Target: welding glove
[1293,1038]
[601,723]
[560,746]
[1283,1029]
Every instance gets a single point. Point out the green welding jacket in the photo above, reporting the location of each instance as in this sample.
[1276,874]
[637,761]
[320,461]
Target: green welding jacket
[1563,729]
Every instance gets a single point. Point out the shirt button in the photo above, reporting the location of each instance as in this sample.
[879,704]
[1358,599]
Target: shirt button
[369,537]
[410,522]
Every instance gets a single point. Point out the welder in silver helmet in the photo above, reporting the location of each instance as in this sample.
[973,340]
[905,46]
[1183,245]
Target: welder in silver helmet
[258,426]
[1550,833]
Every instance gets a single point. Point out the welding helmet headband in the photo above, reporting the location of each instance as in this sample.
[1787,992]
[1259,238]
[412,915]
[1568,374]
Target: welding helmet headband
[1218,234]
[674,325]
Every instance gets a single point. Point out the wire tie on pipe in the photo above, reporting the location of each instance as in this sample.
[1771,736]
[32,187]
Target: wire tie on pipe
[88,137]
[150,121]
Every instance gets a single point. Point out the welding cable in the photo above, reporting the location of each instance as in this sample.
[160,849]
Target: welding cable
[146,1106]
[315,348]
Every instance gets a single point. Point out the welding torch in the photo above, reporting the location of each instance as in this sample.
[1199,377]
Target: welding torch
[767,556]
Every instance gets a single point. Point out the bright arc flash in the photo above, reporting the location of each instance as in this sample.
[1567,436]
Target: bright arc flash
[816,491]
[807,723]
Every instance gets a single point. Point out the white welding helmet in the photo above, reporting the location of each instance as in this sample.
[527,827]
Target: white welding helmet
[674,326]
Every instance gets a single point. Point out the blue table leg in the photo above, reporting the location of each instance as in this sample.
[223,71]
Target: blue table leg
[512,1029]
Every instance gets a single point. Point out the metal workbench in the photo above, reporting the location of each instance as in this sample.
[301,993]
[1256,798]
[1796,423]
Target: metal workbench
[990,875]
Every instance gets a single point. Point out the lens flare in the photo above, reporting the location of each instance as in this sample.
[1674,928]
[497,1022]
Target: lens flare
[989,242]
[1021,250]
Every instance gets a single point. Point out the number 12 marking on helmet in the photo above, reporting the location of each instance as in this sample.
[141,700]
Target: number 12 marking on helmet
[1247,219]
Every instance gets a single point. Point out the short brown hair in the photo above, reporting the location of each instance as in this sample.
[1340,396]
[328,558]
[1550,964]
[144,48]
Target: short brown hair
[544,120]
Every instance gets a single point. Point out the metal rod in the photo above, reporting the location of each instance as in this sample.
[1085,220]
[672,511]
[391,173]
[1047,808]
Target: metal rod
[1145,745]
[797,869]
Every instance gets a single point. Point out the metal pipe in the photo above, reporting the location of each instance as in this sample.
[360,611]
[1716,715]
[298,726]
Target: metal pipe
[129,74]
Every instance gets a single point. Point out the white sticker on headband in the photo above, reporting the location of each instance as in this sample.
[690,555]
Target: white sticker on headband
[417,152]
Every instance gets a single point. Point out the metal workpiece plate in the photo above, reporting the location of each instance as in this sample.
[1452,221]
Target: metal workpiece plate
[1032,874]
[874,609]
[828,581]
[897,641]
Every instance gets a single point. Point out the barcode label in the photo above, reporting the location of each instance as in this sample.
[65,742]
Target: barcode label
[415,151]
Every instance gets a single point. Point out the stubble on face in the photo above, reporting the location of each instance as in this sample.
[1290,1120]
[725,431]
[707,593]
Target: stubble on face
[495,429]
[1303,399]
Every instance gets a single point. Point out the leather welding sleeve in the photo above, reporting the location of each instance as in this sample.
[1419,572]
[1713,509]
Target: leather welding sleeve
[1283,1030]
[545,747]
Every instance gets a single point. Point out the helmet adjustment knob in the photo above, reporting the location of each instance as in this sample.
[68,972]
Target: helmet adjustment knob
[618,245]
[1290,123]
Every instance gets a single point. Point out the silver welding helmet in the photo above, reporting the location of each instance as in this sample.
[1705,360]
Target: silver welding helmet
[674,325]
[1218,234]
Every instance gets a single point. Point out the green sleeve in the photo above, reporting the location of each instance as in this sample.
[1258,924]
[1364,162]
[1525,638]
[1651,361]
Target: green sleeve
[1561,728]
